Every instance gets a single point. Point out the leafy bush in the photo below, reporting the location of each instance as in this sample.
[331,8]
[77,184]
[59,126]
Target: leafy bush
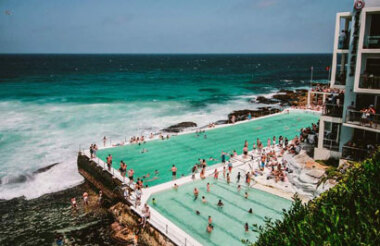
[347,214]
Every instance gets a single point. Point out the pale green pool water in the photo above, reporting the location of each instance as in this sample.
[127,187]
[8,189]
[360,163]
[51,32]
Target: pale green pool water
[185,150]
[179,207]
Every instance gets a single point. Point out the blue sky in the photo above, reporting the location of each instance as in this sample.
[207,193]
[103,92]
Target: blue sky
[169,26]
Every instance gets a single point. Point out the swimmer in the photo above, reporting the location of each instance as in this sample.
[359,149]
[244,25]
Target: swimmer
[238,177]
[154,202]
[216,174]
[209,228]
[174,171]
[250,211]
[205,136]
[238,188]
[246,195]
[204,199]
[209,220]
[228,178]
[175,187]
[197,212]
[208,187]
[196,193]
[246,227]
[156,172]
[220,204]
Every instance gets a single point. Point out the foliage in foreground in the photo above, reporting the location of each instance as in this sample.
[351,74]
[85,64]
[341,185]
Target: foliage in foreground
[347,214]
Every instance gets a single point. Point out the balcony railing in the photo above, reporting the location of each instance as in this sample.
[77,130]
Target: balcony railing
[369,82]
[333,110]
[372,42]
[341,75]
[360,118]
[330,144]
[354,154]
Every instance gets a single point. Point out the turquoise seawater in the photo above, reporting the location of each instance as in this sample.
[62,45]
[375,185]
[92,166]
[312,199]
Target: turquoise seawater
[51,105]
[185,150]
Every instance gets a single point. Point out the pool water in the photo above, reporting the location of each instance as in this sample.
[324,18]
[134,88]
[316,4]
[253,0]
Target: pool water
[180,207]
[185,150]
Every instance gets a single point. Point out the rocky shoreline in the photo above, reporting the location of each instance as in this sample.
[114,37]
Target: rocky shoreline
[283,98]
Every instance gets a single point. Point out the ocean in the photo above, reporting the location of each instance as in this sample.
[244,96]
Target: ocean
[52,105]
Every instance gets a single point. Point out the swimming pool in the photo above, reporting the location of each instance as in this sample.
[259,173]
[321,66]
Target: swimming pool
[180,207]
[184,150]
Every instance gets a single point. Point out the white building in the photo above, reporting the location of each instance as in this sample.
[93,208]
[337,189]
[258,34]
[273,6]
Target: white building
[345,131]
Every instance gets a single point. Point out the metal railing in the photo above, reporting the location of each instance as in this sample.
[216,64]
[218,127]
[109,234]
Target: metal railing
[354,154]
[372,42]
[330,144]
[369,82]
[360,118]
[340,76]
[330,109]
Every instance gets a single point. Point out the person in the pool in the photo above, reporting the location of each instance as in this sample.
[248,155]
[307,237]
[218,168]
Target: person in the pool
[216,174]
[175,187]
[250,211]
[228,178]
[239,188]
[238,177]
[209,220]
[208,187]
[209,228]
[246,195]
[204,199]
[220,204]
[246,227]
[224,172]
[196,193]
[174,171]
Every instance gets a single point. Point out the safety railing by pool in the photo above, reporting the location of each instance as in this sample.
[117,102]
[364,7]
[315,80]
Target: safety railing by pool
[363,119]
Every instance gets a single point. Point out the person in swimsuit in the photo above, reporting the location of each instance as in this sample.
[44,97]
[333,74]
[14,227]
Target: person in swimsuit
[174,171]
[229,167]
[85,198]
[224,172]
[208,187]
[246,227]
[175,187]
[196,193]
[223,157]
[220,204]
[228,178]
[74,203]
[209,220]
[216,174]
[250,211]
[104,141]
[239,188]
[246,195]
[245,151]
[109,162]
[204,199]
[238,177]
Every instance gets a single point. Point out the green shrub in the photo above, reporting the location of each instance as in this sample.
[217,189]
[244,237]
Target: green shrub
[347,214]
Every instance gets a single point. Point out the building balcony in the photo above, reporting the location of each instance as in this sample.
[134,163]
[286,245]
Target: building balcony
[363,120]
[369,82]
[371,42]
[332,110]
[354,153]
[330,144]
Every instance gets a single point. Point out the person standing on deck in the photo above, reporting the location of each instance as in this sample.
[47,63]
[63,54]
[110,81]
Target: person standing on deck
[216,174]
[224,172]
[238,177]
[109,162]
[229,167]
[104,141]
[174,172]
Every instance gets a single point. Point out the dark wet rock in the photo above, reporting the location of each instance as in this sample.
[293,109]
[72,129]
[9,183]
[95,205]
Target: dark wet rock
[264,100]
[291,98]
[44,169]
[243,114]
[180,127]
